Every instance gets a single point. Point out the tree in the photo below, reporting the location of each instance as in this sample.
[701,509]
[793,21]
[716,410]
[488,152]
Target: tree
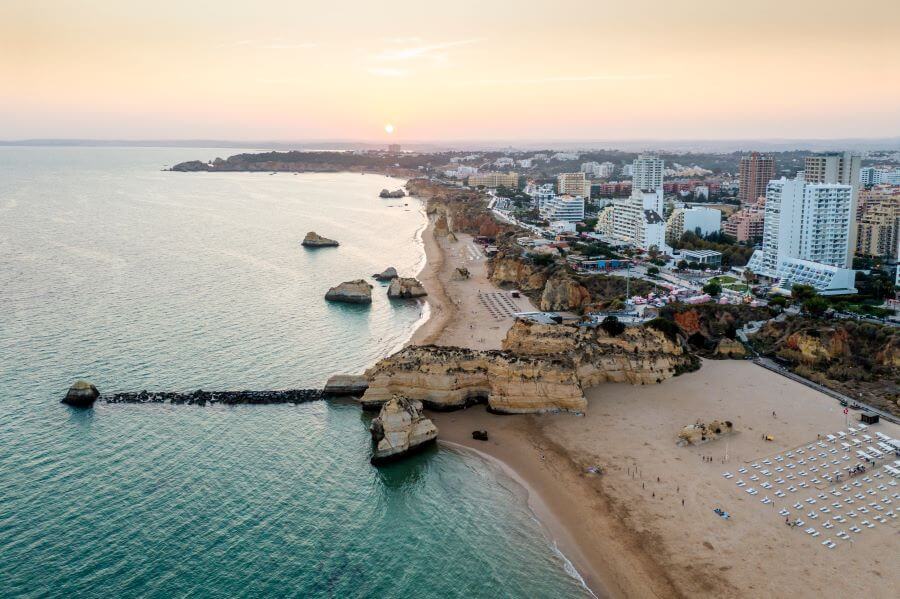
[612,326]
[682,264]
[652,271]
[815,305]
[779,301]
[712,288]
[801,293]
[749,276]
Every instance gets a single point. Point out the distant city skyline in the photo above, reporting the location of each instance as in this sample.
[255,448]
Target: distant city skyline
[570,70]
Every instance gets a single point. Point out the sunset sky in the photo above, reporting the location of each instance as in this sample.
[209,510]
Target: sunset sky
[464,70]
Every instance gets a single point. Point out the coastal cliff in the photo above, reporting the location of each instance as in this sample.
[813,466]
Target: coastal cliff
[541,368]
[448,378]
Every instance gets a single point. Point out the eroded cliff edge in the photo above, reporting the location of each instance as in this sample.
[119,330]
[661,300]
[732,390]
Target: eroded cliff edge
[541,368]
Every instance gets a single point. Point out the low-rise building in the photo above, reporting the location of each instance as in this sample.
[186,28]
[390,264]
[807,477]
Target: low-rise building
[710,258]
[493,180]
[746,225]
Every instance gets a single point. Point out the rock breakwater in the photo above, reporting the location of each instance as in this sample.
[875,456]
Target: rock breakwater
[201,397]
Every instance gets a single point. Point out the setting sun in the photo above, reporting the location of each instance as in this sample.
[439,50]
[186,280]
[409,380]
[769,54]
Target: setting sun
[389,128]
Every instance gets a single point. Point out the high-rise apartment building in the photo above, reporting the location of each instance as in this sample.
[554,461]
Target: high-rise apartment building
[837,167]
[573,184]
[756,171]
[877,229]
[807,235]
[647,172]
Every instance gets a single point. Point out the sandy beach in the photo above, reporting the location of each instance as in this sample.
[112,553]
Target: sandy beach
[646,526]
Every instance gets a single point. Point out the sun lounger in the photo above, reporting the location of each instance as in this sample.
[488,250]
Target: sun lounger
[867,438]
[841,434]
[740,483]
[851,514]
[884,446]
[882,436]
[742,470]
[754,478]
[779,493]
[766,485]
[843,535]
[810,530]
[852,430]
[755,466]
[784,512]
[728,475]
[846,446]
[862,426]
[831,438]
[855,529]
[803,485]
[798,506]
[765,500]
[827,525]
[872,451]
[829,543]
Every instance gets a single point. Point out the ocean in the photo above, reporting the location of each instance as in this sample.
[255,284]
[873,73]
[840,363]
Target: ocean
[116,271]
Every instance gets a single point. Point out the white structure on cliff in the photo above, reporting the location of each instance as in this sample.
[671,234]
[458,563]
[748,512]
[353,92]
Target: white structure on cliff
[807,236]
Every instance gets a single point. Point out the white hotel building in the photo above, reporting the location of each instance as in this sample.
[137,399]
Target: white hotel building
[807,236]
[564,208]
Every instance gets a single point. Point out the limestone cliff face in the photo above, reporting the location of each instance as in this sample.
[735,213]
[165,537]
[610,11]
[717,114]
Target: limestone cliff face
[448,378]
[564,293]
[730,348]
[399,429]
[513,270]
[640,355]
[542,368]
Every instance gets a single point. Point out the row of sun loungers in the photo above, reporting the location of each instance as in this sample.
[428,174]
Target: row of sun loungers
[862,502]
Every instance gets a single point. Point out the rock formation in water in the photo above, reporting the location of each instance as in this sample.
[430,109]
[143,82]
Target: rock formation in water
[387,274]
[400,429]
[81,394]
[314,240]
[399,193]
[406,288]
[352,292]
[701,432]
[346,384]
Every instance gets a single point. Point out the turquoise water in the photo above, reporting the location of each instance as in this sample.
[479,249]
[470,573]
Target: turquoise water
[140,279]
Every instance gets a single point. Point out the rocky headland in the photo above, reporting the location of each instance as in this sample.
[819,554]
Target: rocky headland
[541,368]
[400,429]
[314,240]
[351,292]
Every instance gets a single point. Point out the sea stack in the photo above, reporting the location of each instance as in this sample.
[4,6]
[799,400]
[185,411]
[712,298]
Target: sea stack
[399,193]
[314,240]
[351,292]
[387,274]
[81,394]
[400,429]
[406,288]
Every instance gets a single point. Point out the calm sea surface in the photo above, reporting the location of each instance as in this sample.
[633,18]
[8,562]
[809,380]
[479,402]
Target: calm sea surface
[134,278]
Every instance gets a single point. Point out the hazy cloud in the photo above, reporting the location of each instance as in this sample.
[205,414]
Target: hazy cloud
[388,72]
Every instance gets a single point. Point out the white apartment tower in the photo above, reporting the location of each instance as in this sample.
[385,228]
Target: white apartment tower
[647,172]
[837,167]
[807,235]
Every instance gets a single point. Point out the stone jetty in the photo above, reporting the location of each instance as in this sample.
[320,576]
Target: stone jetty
[203,398]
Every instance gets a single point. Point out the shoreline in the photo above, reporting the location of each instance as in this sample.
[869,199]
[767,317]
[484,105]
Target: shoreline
[587,560]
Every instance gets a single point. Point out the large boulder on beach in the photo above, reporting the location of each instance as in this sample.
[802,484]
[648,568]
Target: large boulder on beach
[400,429]
[398,193]
[406,288]
[387,274]
[352,292]
[703,432]
[81,394]
[314,240]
